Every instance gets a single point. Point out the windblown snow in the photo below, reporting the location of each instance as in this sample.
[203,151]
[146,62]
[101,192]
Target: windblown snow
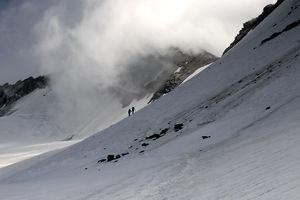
[230,132]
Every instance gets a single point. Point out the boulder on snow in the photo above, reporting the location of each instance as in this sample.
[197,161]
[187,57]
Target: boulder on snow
[178,127]
[205,137]
[145,144]
[110,158]
[124,154]
[101,161]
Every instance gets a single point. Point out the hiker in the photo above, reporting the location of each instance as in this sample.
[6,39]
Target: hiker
[129,112]
[132,110]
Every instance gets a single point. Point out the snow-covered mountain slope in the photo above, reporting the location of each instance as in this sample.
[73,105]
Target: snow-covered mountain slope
[38,113]
[34,126]
[31,117]
[36,117]
[231,132]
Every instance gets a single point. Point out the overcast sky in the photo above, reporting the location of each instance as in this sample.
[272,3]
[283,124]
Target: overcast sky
[93,36]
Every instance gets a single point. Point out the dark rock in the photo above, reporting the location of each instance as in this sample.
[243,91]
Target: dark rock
[205,137]
[164,131]
[145,144]
[110,158]
[267,108]
[178,127]
[117,157]
[154,136]
[276,34]
[124,154]
[101,161]
[142,151]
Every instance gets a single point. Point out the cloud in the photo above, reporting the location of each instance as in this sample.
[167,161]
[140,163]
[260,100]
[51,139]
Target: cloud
[126,26]
[96,49]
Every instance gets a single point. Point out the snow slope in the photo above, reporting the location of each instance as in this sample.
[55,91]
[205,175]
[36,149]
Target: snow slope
[195,73]
[248,103]
[34,126]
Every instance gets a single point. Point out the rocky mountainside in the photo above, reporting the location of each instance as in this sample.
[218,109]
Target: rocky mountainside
[157,73]
[10,93]
[185,67]
[251,24]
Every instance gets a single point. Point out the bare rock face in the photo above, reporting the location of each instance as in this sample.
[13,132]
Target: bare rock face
[10,93]
[251,24]
[187,65]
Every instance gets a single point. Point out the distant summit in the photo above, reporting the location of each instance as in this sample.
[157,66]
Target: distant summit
[10,93]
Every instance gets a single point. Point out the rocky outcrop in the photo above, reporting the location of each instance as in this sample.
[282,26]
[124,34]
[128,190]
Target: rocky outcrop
[276,34]
[187,66]
[249,25]
[10,93]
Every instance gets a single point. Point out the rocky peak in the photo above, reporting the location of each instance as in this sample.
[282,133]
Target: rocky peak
[251,24]
[10,93]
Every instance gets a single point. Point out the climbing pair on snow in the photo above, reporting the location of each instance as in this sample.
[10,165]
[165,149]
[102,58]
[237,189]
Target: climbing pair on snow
[131,111]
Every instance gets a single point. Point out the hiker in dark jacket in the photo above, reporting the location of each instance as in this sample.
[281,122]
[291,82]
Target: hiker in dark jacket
[132,110]
[129,112]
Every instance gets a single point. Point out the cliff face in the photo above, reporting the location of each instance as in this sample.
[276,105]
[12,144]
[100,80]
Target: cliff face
[10,93]
[251,24]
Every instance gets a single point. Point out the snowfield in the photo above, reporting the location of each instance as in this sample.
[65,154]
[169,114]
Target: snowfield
[230,132]
[34,126]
